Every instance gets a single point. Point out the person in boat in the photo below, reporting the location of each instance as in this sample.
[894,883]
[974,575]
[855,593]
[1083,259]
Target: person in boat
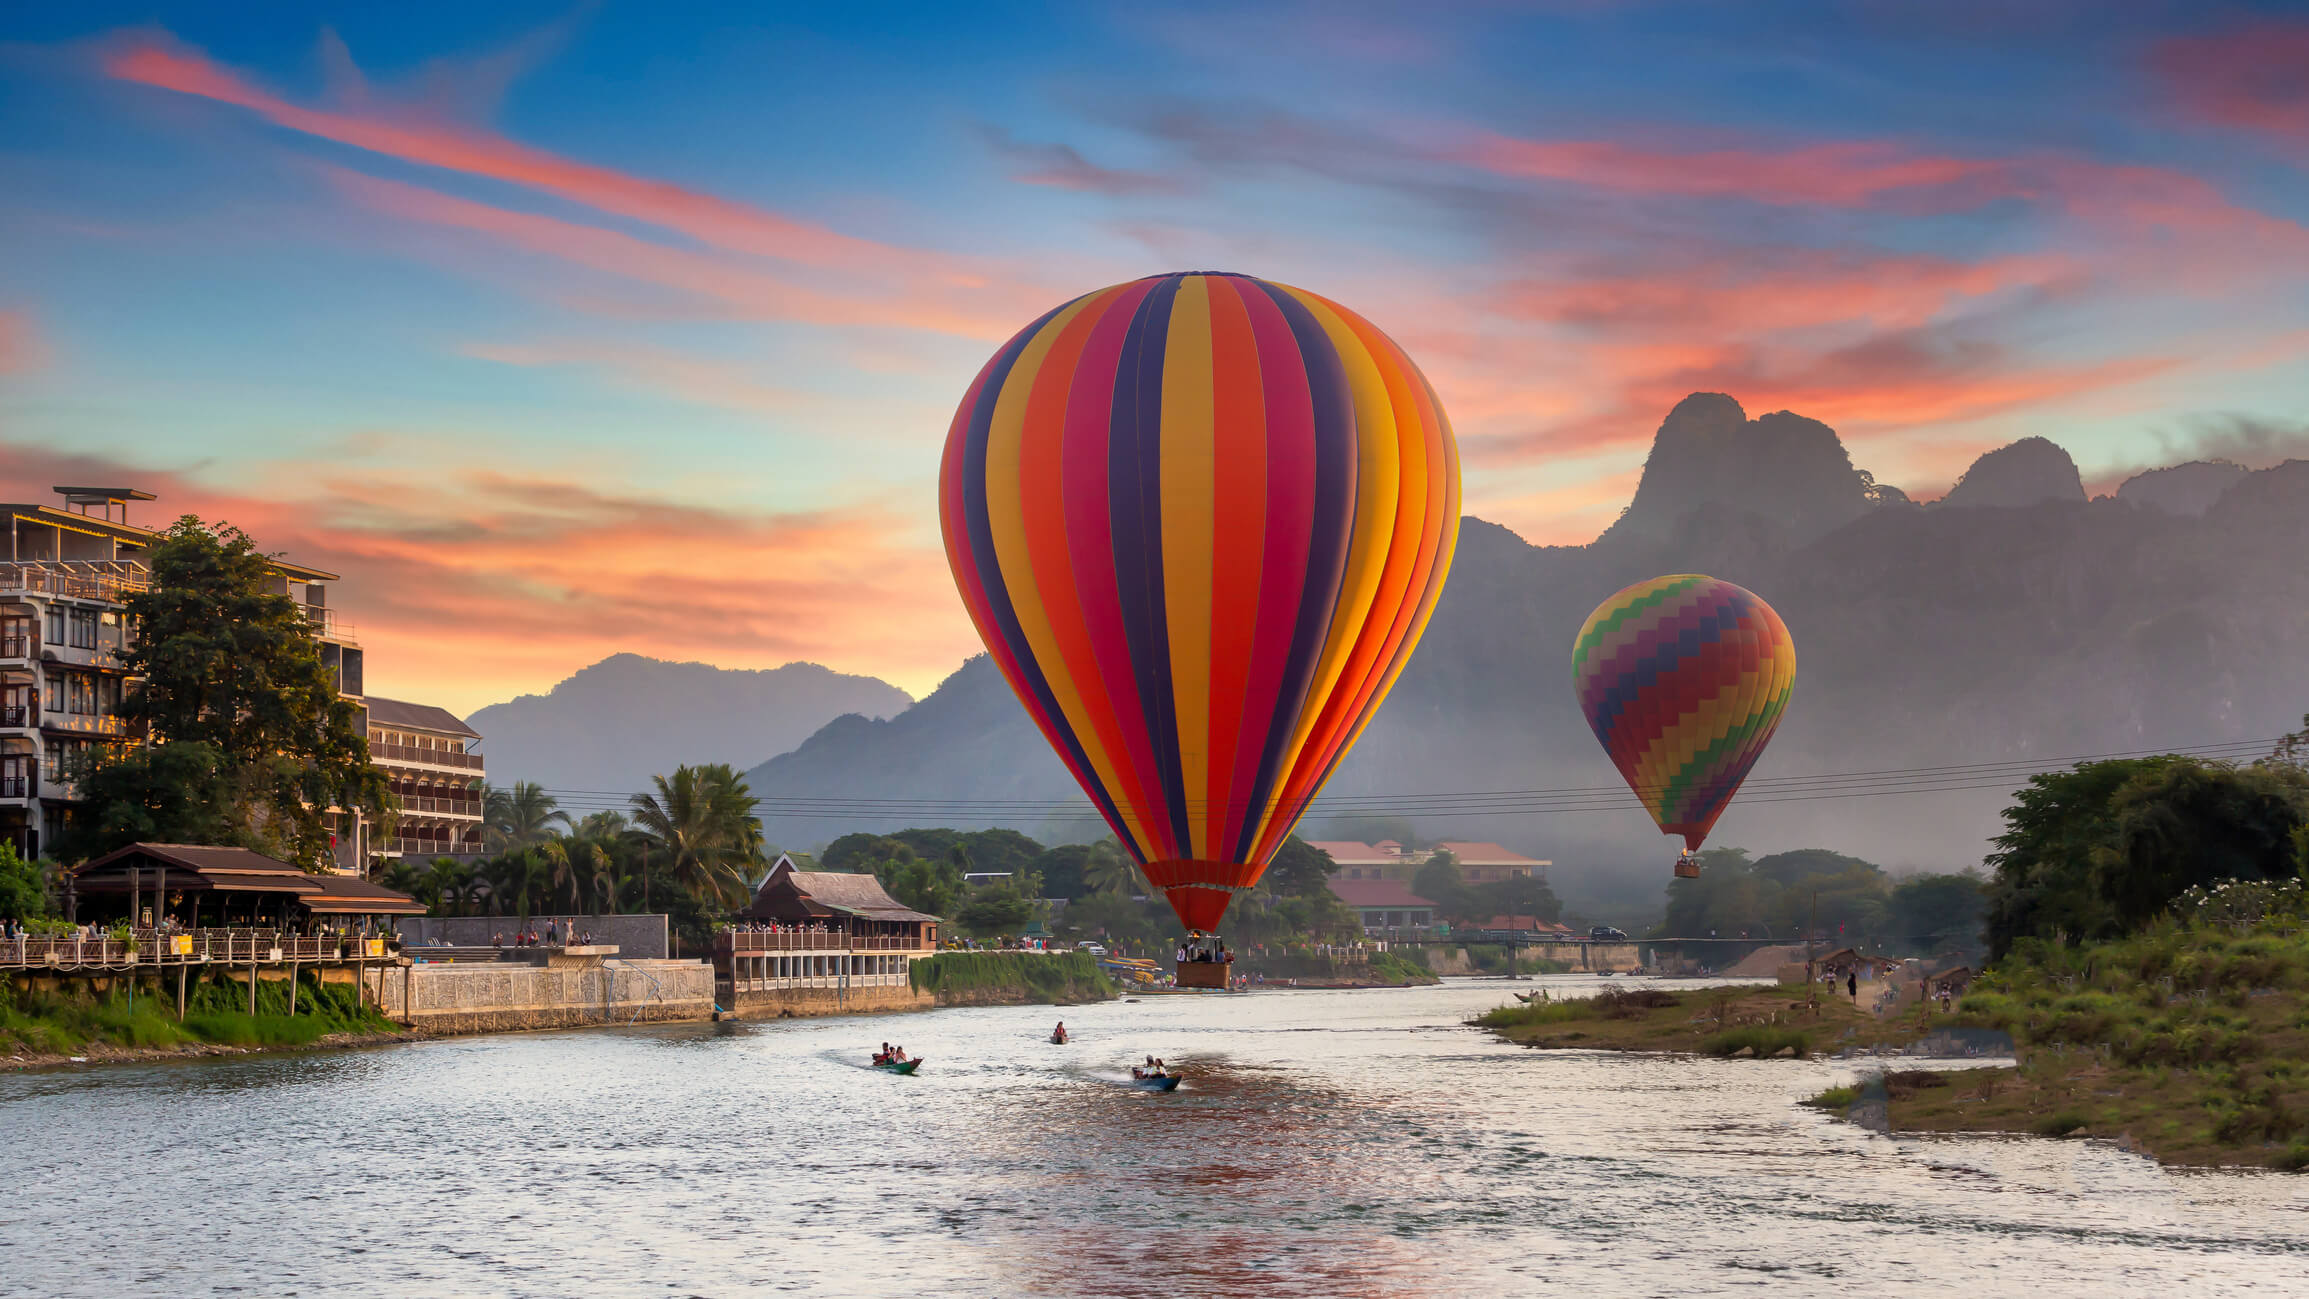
[1059,1034]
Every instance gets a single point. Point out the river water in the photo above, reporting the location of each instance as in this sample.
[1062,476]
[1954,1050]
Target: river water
[1326,1143]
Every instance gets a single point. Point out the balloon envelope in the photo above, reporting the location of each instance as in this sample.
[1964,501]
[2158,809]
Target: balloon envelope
[1684,679]
[1200,521]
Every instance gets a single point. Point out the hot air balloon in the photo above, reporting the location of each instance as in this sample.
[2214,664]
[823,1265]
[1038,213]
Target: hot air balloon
[1684,679]
[1200,521]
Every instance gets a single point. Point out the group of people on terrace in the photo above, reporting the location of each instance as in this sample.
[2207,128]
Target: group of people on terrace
[556,935]
[781,927]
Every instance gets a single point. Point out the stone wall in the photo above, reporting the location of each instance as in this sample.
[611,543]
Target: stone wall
[637,937]
[1618,957]
[502,996]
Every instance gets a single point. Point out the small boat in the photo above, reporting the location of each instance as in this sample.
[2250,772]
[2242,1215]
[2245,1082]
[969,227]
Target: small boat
[899,1066]
[1059,1039]
[1161,1082]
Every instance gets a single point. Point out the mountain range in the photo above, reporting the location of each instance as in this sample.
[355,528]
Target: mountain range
[2017,619]
[612,726]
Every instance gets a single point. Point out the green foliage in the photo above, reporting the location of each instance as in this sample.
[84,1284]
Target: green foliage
[995,911]
[1395,967]
[520,816]
[1835,1099]
[1933,913]
[225,661]
[700,825]
[62,1023]
[931,887]
[1522,895]
[1057,978]
[23,887]
[2097,851]
[177,792]
[1440,882]
[1299,870]
[1775,899]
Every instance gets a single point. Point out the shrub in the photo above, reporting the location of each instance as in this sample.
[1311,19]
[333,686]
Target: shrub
[1761,1039]
[2061,1124]
[1835,1098]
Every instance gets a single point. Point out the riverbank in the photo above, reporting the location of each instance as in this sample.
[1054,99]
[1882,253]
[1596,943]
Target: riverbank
[2190,1045]
[1766,1021]
[1011,978]
[41,1027]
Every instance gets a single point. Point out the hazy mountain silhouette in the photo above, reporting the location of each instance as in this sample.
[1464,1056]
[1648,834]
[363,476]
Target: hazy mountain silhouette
[612,726]
[2016,620]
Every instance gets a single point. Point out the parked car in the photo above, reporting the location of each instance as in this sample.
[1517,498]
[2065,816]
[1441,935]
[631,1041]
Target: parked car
[1606,934]
[1093,948]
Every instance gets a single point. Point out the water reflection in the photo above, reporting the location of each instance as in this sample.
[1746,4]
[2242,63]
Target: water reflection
[1324,1144]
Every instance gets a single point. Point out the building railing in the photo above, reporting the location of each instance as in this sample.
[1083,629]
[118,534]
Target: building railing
[15,647]
[85,723]
[15,787]
[326,623]
[19,715]
[436,757]
[748,941]
[193,947]
[429,847]
[442,806]
[81,579]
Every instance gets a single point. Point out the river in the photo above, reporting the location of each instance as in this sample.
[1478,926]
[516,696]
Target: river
[1326,1144]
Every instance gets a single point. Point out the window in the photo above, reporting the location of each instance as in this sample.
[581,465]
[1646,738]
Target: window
[108,696]
[84,629]
[56,624]
[56,692]
[80,693]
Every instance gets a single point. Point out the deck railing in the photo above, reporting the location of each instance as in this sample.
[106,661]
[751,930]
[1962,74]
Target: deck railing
[186,947]
[379,751]
[745,941]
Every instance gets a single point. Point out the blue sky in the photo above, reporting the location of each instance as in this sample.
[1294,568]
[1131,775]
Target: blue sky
[530,318]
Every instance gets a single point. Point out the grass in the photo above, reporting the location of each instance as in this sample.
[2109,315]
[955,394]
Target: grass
[1713,1021]
[2191,1041]
[1057,979]
[1392,967]
[69,1022]
[1835,1099]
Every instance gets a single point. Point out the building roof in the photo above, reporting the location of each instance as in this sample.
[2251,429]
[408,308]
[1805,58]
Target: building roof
[1489,854]
[1378,893]
[33,512]
[416,717]
[1347,852]
[240,870]
[837,892]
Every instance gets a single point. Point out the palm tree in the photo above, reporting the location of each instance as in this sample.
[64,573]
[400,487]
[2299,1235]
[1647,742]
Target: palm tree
[404,877]
[682,821]
[520,816]
[1108,869]
[602,825]
[453,882]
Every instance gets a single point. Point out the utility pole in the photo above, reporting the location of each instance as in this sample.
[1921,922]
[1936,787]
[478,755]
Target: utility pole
[1811,976]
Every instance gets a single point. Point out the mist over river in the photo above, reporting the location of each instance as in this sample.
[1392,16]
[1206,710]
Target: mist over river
[1325,1143]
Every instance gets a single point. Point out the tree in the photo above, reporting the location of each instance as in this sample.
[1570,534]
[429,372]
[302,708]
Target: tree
[454,885]
[2096,851]
[932,887]
[1108,869]
[176,792]
[1299,870]
[691,820]
[1440,882]
[23,887]
[1061,869]
[998,910]
[518,817]
[1932,913]
[224,659]
[1520,895]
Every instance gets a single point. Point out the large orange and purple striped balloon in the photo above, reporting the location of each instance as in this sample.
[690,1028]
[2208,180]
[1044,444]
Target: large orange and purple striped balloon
[1684,679]
[1200,521]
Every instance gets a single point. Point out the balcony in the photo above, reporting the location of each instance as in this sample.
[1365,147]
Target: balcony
[18,716]
[86,724]
[327,625]
[15,647]
[427,849]
[423,757]
[81,579]
[15,787]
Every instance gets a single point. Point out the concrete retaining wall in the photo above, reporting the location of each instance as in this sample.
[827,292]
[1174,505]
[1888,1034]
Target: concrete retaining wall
[635,937]
[798,1002]
[497,997]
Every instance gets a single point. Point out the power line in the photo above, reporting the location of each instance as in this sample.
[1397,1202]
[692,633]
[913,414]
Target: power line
[1953,778]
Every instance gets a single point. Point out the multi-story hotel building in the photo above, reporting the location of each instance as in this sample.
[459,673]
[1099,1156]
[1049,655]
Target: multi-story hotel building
[435,765]
[63,626]
[1479,863]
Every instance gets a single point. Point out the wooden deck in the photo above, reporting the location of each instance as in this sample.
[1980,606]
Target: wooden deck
[151,949]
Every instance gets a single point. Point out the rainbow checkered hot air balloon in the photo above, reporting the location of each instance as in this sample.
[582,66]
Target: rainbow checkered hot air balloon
[1684,679]
[1200,521]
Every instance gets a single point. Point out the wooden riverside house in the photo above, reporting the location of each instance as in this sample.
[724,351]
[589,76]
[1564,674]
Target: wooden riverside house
[187,907]
[821,930]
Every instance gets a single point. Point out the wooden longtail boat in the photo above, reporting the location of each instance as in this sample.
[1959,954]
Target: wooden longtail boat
[1159,1083]
[900,1066]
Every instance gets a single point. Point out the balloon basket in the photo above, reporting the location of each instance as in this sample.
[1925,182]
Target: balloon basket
[1687,869]
[1203,974]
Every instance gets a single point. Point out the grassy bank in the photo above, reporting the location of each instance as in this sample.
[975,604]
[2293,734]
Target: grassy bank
[2188,1043]
[42,1025]
[1495,958]
[1704,1021]
[981,978]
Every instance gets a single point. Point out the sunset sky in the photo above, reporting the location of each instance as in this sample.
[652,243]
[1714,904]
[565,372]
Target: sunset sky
[564,331]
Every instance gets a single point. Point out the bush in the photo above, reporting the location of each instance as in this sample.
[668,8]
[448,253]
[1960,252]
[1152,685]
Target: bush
[1057,978]
[2061,1124]
[1835,1099]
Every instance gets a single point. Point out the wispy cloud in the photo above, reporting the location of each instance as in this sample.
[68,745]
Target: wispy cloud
[20,345]
[1062,166]
[540,574]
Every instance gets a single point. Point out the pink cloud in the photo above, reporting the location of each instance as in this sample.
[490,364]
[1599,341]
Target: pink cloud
[2254,77]
[1842,174]
[469,585]
[737,227]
